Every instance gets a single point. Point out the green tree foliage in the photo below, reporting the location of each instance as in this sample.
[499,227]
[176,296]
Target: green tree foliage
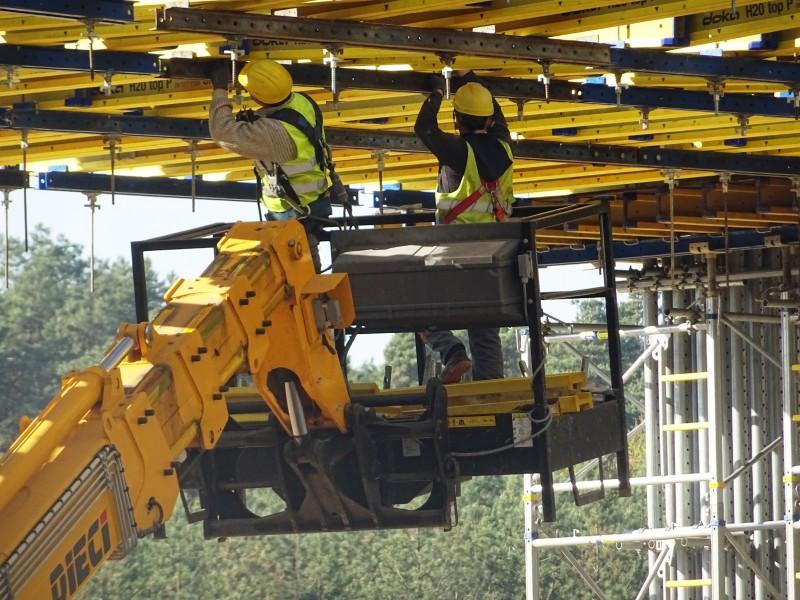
[51,322]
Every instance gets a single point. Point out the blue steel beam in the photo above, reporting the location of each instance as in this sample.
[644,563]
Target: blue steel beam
[13,179]
[655,158]
[514,88]
[644,97]
[693,65]
[148,186]
[164,187]
[108,11]
[653,248]
[103,124]
[44,57]
[453,42]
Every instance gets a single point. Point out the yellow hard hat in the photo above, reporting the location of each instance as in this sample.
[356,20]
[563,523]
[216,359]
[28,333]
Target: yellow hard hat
[266,81]
[473,99]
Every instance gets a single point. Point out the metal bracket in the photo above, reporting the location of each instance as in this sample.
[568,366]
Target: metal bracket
[448,60]
[106,86]
[112,145]
[380,156]
[91,36]
[724,181]
[23,144]
[11,76]
[6,258]
[334,58]
[234,52]
[618,87]
[794,99]
[700,248]
[544,78]
[520,102]
[587,497]
[743,124]
[193,158]
[93,207]
[644,118]
[716,87]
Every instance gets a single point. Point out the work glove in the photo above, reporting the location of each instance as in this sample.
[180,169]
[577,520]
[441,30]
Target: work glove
[436,83]
[466,76]
[220,75]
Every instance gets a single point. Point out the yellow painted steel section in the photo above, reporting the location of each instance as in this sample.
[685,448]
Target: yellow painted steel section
[165,394]
[700,425]
[612,17]
[682,377]
[478,421]
[687,583]
[725,23]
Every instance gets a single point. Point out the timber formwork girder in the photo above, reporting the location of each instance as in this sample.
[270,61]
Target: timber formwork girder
[516,89]
[450,43]
[194,129]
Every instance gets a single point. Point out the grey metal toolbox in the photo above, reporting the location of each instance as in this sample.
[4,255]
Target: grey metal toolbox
[449,276]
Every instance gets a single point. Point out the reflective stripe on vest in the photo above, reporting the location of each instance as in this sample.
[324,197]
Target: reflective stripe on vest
[306,176]
[483,209]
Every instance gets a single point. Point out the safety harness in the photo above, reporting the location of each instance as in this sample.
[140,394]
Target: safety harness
[314,134]
[490,187]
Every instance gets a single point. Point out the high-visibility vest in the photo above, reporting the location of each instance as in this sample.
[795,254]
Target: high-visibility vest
[307,177]
[477,200]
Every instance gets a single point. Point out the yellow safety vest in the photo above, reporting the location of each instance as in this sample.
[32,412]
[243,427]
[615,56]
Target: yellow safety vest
[306,176]
[487,205]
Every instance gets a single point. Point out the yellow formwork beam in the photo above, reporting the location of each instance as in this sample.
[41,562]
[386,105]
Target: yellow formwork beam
[684,377]
[380,10]
[650,228]
[678,427]
[85,148]
[725,23]
[687,583]
[614,16]
[500,12]
[712,136]
[62,82]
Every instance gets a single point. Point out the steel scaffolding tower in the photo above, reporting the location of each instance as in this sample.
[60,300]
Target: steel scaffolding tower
[720,426]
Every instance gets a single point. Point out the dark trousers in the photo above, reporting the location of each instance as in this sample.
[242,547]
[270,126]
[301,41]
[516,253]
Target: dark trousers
[484,346]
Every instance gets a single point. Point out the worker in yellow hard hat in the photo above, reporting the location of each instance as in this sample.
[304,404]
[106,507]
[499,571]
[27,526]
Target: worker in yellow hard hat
[284,137]
[474,186]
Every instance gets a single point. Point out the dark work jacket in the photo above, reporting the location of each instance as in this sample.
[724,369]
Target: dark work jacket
[451,150]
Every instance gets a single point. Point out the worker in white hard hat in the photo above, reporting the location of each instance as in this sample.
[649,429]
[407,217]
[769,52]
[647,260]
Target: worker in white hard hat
[474,186]
[284,137]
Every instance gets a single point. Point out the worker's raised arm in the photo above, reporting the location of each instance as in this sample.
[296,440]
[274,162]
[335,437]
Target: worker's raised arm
[499,124]
[449,149]
[264,139]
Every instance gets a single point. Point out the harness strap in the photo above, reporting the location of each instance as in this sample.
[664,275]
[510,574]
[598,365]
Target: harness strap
[467,203]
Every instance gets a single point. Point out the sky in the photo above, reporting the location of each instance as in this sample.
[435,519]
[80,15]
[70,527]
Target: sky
[134,218]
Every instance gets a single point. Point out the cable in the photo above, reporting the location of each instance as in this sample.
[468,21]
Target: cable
[547,420]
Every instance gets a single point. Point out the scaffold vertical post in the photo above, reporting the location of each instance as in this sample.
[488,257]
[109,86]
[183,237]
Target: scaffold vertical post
[788,358]
[739,375]
[650,318]
[716,414]
[531,502]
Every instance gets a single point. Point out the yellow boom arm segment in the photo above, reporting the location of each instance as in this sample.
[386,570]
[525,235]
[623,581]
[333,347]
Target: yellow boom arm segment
[97,468]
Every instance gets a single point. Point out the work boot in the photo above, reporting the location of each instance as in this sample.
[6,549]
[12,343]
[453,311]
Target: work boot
[455,367]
